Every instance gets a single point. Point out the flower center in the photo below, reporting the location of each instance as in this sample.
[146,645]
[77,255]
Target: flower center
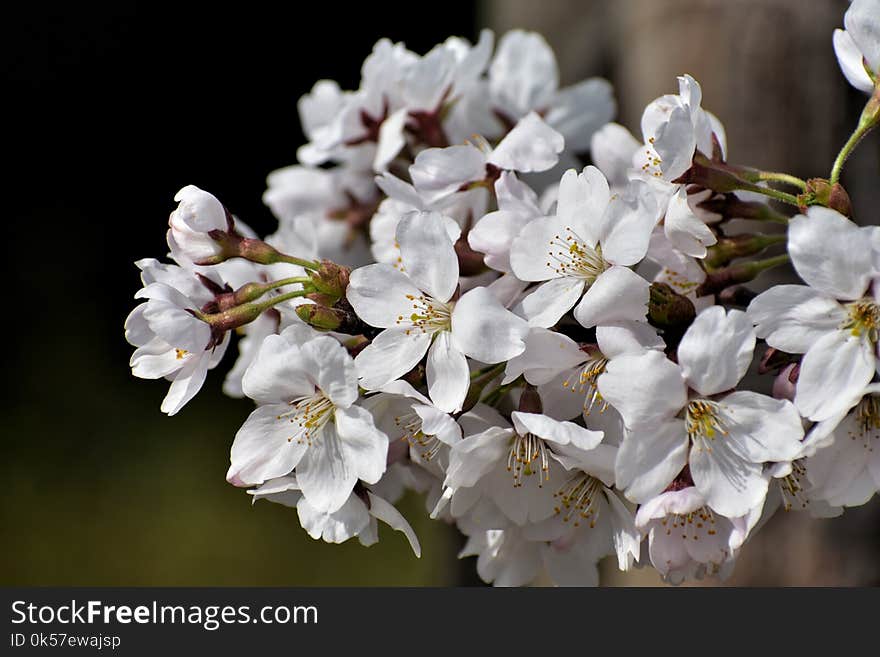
[523,459]
[692,524]
[585,384]
[652,161]
[792,488]
[309,414]
[863,320]
[411,425]
[578,499]
[703,420]
[428,316]
[571,256]
[867,422]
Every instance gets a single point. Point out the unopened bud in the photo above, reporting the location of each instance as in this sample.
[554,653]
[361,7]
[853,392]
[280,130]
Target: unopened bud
[320,317]
[330,279]
[667,308]
[821,192]
[729,248]
[530,401]
[784,386]
[715,175]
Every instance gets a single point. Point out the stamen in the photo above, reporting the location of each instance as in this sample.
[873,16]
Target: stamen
[428,316]
[578,499]
[867,422]
[309,414]
[863,320]
[570,256]
[691,525]
[586,383]
[411,425]
[793,491]
[525,451]
[703,421]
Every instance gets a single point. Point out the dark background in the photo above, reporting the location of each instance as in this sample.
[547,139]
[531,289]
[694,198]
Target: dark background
[113,109]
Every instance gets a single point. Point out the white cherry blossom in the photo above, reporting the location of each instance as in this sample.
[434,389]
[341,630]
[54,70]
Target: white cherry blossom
[307,419]
[725,435]
[416,309]
[858,46]
[582,254]
[171,342]
[833,320]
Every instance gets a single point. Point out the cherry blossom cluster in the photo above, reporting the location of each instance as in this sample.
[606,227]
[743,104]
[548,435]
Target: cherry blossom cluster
[567,362]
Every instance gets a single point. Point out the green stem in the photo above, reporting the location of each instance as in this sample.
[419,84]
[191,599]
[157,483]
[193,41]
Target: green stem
[768,263]
[304,280]
[274,301]
[784,178]
[867,121]
[495,396]
[305,264]
[785,197]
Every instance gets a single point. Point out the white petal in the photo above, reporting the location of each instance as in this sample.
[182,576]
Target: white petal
[612,149]
[645,388]
[833,373]
[675,143]
[325,474]
[627,541]
[390,355]
[555,431]
[385,512]
[716,350]
[485,330]
[391,140]
[379,294]
[628,223]
[547,353]
[276,374]
[582,200]
[618,294]
[186,384]
[732,485]
[831,253]
[437,423]
[428,254]
[851,61]
[649,458]
[794,317]
[523,75]
[176,326]
[686,230]
[532,145]
[365,447]
[447,374]
[337,527]
[551,300]
[440,172]
[862,21]
[765,429]
[156,359]
[267,445]
[473,457]
[331,368]
[616,338]
[530,251]
[580,110]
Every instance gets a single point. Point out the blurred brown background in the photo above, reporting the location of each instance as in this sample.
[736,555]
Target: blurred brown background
[115,108]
